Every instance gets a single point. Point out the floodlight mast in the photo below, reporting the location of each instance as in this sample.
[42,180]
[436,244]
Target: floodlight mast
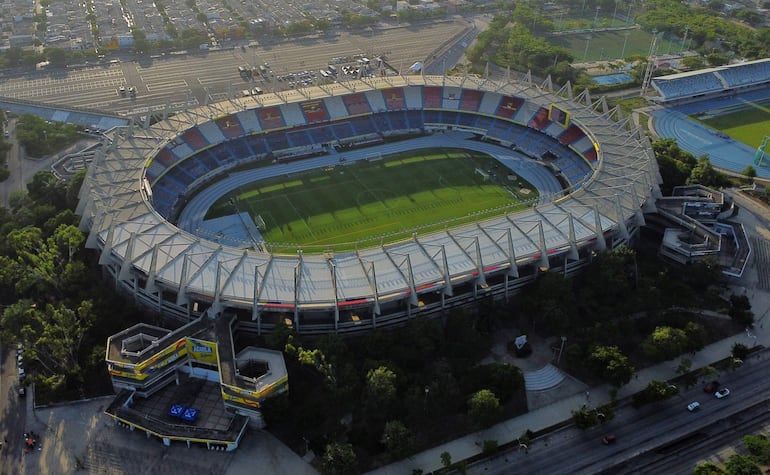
[650,63]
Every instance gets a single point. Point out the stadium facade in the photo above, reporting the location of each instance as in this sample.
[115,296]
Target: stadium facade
[138,187]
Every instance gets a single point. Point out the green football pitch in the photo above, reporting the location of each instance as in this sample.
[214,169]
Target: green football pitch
[365,202]
[748,123]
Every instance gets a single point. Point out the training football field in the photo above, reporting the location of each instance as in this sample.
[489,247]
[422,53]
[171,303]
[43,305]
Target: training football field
[748,124]
[381,199]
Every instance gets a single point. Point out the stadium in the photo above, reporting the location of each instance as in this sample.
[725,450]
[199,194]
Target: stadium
[144,200]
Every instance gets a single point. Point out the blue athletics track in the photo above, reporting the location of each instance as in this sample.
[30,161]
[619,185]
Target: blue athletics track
[722,151]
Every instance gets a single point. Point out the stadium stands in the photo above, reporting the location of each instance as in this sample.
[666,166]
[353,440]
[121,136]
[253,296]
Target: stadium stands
[270,118]
[540,120]
[249,122]
[335,106]
[470,100]
[211,132]
[745,74]
[525,112]
[314,111]
[508,107]
[413,97]
[292,115]
[431,97]
[356,104]
[572,134]
[683,85]
[394,99]
[194,139]
[230,126]
[165,157]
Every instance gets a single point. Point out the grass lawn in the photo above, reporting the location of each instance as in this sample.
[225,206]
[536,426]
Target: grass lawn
[387,199]
[749,125]
[607,45]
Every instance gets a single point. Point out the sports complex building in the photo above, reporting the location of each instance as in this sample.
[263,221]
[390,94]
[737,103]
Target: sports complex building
[141,201]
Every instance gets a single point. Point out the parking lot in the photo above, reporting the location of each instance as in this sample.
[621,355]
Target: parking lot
[195,78]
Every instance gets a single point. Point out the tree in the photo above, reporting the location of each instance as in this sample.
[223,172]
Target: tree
[56,56]
[705,174]
[749,172]
[708,468]
[446,459]
[665,343]
[692,62]
[655,391]
[339,459]
[738,464]
[483,408]
[585,418]
[380,387]
[398,439]
[759,447]
[610,364]
[740,351]
[740,310]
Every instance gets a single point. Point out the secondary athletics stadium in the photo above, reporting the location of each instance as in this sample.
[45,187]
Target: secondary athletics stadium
[145,198]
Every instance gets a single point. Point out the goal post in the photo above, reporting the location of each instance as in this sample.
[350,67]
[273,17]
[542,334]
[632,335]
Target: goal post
[260,222]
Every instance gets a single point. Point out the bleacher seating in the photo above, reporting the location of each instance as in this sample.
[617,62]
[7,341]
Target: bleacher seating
[343,130]
[277,141]
[280,128]
[224,153]
[321,134]
[394,98]
[489,103]
[431,97]
[292,115]
[335,107]
[413,97]
[484,122]
[414,119]
[572,134]
[363,125]
[194,139]
[270,118]
[744,74]
[314,111]
[688,85]
[230,126]
[540,120]
[299,138]
[525,112]
[590,154]
[508,106]
[398,120]
[356,104]
[470,100]
[165,157]
[249,121]
[211,132]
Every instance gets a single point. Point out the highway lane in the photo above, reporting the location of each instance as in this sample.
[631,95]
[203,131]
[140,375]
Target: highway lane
[639,431]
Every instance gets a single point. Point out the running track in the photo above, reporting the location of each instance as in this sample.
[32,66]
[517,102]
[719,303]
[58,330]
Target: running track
[191,218]
[726,154]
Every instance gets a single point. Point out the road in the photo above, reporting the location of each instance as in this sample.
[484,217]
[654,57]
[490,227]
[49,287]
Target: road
[200,76]
[14,414]
[646,436]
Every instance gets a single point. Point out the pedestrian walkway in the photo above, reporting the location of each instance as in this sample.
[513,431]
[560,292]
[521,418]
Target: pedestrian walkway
[755,219]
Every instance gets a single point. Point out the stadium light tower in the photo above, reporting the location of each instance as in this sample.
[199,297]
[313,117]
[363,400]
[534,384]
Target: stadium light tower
[650,63]
[684,40]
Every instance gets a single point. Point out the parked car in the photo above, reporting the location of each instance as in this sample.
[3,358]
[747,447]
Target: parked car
[722,393]
[693,406]
[609,439]
[22,391]
[711,387]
